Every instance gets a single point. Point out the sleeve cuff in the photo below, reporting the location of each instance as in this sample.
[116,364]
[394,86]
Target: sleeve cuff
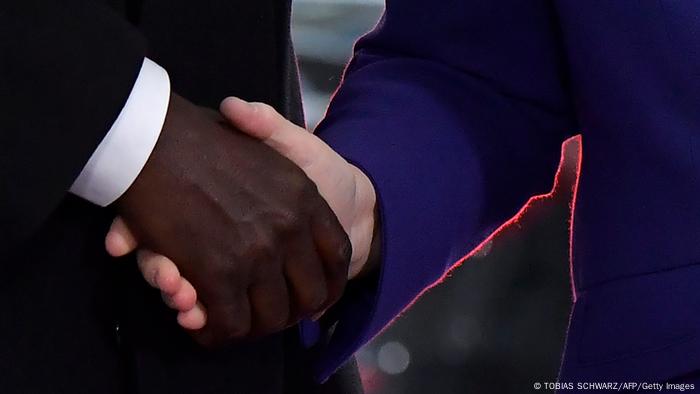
[430,212]
[123,152]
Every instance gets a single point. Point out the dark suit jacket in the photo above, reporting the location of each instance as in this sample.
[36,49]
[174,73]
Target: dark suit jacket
[76,321]
[464,105]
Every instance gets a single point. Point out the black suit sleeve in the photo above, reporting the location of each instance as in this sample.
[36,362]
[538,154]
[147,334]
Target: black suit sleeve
[66,70]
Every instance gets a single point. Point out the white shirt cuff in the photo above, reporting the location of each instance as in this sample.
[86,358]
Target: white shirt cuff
[123,152]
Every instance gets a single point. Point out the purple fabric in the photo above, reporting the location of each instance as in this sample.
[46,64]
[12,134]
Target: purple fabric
[456,110]
[436,114]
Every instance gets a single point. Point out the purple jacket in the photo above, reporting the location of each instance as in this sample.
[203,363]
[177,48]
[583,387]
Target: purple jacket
[456,109]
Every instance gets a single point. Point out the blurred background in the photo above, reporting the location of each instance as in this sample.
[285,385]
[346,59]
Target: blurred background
[497,324]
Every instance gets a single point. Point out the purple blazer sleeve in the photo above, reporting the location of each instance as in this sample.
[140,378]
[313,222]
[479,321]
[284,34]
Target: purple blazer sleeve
[456,110]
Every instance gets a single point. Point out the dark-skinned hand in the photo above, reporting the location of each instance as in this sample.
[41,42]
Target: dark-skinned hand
[243,224]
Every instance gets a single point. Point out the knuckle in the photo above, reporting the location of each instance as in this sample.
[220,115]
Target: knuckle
[283,222]
[264,111]
[261,250]
[289,221]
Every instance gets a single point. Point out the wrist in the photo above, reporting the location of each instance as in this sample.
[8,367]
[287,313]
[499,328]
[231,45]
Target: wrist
[363,233]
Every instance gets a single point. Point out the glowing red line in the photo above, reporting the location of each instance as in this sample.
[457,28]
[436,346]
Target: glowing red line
[556,188]
[572,210]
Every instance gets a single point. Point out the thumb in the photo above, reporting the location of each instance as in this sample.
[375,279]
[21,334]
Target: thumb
[261,121]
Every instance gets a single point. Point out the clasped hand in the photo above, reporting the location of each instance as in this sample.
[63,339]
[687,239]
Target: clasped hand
[262,223]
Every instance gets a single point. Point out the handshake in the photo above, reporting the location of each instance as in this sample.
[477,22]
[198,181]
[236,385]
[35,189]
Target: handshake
[244,221]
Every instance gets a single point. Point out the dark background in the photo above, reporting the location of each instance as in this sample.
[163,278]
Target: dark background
[497,324]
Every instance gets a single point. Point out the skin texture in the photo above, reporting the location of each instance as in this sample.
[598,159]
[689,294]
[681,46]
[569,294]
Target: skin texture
[242,223]
[347,190]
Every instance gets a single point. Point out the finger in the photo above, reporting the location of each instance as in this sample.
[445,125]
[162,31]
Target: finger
[159,271]
[225,321]
[193,319]
[119,240]
[256,119]
[335,250]
[261,121]
[306,277]
[270,303]
[183,299]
